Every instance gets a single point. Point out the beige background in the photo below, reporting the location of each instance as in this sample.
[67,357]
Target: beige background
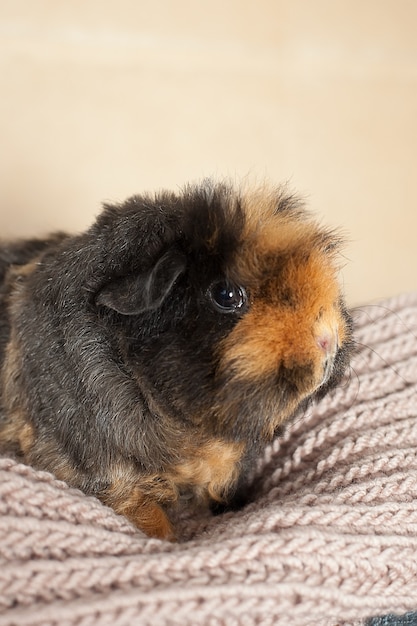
[102,99]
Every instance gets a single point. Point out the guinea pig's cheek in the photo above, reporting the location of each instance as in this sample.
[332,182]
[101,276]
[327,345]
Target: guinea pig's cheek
[249,353]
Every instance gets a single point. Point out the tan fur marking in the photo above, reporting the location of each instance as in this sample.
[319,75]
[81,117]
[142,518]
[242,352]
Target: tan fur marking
[212,469]
[17,433]
[26,438]
[272,231]
[268,232]
[22,271]
[15,430]
[143,511]
[209,470]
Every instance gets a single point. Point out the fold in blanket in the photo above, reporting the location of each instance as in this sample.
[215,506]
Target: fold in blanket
[330,537]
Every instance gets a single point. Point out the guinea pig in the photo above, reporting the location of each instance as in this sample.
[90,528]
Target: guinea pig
[151,358]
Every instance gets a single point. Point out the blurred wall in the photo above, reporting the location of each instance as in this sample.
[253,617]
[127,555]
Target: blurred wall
[102,99]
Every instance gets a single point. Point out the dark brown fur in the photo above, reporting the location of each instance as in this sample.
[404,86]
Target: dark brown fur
[121,375]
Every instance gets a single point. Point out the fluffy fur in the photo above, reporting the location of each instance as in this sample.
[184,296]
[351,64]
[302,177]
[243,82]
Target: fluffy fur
[154,355]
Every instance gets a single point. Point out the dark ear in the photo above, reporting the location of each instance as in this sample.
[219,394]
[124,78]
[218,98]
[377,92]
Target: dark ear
[137,293]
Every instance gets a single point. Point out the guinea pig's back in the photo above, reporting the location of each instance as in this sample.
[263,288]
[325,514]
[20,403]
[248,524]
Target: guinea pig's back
[17,253]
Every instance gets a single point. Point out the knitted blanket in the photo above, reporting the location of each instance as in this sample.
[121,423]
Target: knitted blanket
[330,537]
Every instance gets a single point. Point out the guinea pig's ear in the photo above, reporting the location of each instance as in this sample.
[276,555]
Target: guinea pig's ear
[137,293]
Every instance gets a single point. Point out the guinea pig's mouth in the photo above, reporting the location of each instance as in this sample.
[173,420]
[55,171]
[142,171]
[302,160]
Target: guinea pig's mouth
[335,370]
[305,380]
[299,381]
[328,369]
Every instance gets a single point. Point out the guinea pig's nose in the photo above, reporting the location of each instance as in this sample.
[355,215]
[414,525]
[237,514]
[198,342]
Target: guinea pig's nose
[327,342]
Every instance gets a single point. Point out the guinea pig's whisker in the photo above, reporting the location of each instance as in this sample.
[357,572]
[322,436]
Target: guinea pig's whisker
[388,312]
[387,363]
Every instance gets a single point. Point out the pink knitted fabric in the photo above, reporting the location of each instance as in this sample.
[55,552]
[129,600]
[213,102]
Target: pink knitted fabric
[330,539]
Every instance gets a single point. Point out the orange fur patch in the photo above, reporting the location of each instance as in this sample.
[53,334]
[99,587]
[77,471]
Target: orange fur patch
[17,433]
[15,430]
[212,469]
[209,470]
[143,511]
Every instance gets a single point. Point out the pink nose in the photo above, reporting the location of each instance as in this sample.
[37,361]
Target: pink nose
[327,342]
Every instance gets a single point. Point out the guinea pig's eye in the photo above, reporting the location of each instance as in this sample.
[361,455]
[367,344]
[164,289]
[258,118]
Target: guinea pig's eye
[227,297]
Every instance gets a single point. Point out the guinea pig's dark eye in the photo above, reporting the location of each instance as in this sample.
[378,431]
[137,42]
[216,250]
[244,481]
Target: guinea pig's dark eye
[227,297]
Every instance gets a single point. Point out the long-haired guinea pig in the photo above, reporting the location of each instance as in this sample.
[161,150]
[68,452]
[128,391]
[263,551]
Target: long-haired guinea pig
[153,356]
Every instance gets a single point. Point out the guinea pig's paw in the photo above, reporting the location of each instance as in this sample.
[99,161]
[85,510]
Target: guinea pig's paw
[140,509]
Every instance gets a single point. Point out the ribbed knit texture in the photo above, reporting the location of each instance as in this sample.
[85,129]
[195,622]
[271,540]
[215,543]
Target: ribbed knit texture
[330,538]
